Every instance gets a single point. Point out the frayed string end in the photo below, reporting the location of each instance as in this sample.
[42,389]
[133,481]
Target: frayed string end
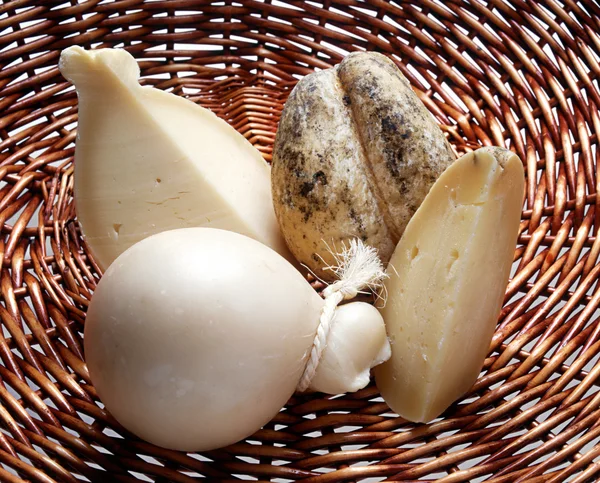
[358,267]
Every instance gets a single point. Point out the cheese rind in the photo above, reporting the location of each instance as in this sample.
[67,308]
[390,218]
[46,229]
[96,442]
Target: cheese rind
[147,161]
[448,277]
[355,154]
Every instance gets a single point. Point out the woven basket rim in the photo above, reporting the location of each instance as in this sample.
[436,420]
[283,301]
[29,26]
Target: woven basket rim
[515,73]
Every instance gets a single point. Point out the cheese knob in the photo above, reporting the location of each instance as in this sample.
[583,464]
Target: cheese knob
[357,342]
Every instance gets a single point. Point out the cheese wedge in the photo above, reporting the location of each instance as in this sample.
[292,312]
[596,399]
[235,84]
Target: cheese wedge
[448,277]
[147,161]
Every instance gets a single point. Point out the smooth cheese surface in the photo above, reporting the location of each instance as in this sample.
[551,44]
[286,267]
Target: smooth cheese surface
[357,342]
[199,351]
[149,161]
[448,277]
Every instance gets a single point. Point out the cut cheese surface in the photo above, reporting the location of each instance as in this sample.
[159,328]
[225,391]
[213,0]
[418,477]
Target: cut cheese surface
[147,161]
[448,277]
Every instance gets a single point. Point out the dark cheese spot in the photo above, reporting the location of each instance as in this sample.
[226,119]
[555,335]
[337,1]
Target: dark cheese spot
[320,177]
[388,125]
[308,186]
[360,227]
[306,211]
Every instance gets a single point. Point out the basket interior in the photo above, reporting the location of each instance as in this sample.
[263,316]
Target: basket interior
[513,73]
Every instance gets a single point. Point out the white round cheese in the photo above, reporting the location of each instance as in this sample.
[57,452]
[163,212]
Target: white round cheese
[197,337]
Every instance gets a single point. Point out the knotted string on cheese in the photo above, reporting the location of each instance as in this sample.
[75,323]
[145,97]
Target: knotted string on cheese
[358,267]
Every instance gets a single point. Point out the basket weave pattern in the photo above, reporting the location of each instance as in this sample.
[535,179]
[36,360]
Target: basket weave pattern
[515,73]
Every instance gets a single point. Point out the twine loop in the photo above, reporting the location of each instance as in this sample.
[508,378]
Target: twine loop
[358,268]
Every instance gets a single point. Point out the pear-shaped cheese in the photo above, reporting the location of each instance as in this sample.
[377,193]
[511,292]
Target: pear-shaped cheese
[448,277]
[197,337]
[148,161]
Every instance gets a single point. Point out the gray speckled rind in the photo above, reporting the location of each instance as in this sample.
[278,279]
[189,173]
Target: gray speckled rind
[355,154]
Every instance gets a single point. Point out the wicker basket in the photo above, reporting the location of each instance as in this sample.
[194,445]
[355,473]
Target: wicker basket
[518,73]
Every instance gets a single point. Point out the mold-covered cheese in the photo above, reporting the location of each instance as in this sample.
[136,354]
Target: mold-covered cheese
[355,154]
